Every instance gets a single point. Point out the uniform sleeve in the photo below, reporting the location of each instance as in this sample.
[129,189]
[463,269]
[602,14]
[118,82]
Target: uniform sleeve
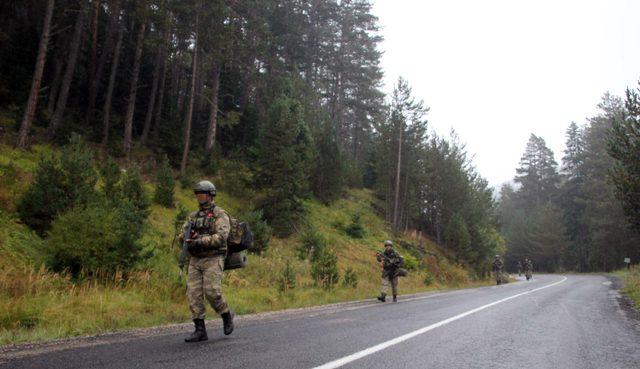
[221,228]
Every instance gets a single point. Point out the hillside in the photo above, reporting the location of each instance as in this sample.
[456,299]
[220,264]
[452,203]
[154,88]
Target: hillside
[37,304]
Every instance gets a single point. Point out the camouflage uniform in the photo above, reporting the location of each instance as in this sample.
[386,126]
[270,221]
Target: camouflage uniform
[391,261]
[497,268]
[206,264]
[528,268]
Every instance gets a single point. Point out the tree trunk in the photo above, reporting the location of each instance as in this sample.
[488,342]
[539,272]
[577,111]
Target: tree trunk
[187,120]
[213,115]
[133,89]
[112,81]
[55,84]
[152,98]
[94,49]
[397,188]
[61,105]
[106,50]
[163,78]
[32,102]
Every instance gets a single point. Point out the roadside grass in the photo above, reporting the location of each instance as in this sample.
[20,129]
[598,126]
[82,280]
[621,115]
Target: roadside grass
[631,280]
[37,304]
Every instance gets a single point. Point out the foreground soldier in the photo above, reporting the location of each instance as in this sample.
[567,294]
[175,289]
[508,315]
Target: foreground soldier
[391,262]
[497,269]
[207,247]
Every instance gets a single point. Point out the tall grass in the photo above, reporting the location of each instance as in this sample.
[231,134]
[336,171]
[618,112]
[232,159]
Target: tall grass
[632,285]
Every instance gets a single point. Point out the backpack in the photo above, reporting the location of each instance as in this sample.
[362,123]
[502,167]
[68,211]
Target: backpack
[240,239]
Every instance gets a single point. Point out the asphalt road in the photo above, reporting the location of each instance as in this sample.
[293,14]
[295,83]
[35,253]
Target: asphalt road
[551,322]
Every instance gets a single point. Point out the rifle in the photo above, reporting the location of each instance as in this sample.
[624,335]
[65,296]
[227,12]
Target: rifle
[185,248]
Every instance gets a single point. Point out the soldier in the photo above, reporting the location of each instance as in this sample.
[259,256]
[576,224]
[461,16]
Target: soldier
[497,269]
[207,248]
[519,268]
[528,268]
[391,262]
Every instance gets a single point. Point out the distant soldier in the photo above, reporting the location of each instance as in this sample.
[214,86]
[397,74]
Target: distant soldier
[391,263]
[519,268]
[528,268]
[497,269]
[207,246]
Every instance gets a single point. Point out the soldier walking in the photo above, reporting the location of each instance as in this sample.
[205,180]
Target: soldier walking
[391,262]
[207,246]
[497,268]
[528,268]
[519,268]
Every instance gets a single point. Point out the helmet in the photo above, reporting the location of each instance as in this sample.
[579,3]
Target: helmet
[205,187]
[388,243]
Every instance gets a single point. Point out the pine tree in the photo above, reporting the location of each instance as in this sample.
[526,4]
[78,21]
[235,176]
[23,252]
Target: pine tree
[284,159]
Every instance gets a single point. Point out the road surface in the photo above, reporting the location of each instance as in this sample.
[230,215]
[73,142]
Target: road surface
[553,321]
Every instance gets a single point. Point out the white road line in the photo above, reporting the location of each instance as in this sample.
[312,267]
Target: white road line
[366,352]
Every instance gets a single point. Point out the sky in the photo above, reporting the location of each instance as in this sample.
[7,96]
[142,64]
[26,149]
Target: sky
[498,71]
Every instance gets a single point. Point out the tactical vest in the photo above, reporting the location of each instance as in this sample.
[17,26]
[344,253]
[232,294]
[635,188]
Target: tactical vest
[203,223]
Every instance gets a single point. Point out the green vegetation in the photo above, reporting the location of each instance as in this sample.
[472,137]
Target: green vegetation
[38,303]
[631,280]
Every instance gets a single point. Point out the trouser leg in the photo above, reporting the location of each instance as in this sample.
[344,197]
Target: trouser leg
[195,291]
[212,284]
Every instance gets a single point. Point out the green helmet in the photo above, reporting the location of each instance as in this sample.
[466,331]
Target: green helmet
[205,187]
[388,243]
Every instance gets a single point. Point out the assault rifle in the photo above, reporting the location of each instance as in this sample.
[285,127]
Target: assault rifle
[185,248]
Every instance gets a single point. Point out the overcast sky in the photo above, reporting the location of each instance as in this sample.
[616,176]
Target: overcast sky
[497,71]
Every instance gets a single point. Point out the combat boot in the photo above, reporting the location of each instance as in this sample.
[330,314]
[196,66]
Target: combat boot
[382,297]
[200,334]
[227,321]
[395,298]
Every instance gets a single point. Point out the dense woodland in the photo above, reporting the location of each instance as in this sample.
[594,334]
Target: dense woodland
[284,97]
[579,215]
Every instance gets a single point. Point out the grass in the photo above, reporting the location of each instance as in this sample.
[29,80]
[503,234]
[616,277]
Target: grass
[37,304]
[631,280]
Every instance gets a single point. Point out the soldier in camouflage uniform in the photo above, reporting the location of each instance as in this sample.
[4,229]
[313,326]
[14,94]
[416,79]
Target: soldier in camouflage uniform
[528,268]
[210,228]
[497,268]
[391,262]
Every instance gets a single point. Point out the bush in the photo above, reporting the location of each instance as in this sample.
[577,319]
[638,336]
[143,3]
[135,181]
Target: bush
[132,190]
[410,262]
[260,229]
[164,185]
[287,279]
[355,229]
[97,238]
[350,278]
[236,179]
[428,279]
[60,183]
[312,245]
[110,172]
[324,268]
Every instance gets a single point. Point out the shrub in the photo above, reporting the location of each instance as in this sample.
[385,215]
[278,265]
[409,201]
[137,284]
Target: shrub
[97,238]
[355,229]
[236,179]
[260,229]
[132,190]
[110,172]
[324,268]
[428,279]
[60,183]
[287,279]
[350,278]
[410,262]
[312,245]
[164,185]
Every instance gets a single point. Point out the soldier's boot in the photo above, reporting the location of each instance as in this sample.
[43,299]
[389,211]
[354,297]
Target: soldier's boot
[200,334]
[395,298]
[382,297]
[227,322]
